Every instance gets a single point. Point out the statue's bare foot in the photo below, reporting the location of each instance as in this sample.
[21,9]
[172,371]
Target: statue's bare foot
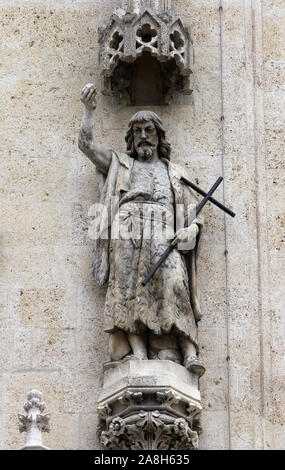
[135,357]
[194,365]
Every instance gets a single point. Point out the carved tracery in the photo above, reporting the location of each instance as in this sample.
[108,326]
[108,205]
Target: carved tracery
[145,27]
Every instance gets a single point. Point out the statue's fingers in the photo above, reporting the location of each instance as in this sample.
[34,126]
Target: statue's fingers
[92,96]
[84,93]
[90,93]
[89,86]
[86,90]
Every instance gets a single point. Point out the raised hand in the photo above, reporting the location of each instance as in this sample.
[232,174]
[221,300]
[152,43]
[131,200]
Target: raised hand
[88,96]
[99,155]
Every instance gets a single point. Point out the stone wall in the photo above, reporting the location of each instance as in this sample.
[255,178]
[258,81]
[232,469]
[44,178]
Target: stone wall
[50,310]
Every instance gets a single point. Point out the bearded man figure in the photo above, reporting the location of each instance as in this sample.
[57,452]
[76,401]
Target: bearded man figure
[158,321]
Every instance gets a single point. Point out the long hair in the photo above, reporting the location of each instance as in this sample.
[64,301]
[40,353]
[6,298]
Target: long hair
[164,147]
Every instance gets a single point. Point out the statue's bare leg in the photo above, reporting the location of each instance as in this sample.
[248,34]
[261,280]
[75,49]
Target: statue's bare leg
[138,345]
[189,352]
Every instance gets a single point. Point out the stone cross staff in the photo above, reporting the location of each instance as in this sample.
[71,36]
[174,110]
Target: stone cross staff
[190,220]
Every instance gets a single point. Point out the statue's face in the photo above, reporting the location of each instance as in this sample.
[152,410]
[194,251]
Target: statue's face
[146,140]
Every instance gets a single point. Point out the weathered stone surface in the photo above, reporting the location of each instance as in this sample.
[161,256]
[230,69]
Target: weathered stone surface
[88,431]
[54,348]
[40,116]
[57,306]
[76,395]
[214,422]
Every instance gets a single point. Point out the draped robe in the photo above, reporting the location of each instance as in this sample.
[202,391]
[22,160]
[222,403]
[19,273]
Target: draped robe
[169,302]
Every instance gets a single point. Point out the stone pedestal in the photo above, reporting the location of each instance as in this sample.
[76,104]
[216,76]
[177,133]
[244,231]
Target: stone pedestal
[149,405]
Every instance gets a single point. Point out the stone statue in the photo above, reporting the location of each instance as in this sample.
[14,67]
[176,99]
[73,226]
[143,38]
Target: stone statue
[149,208]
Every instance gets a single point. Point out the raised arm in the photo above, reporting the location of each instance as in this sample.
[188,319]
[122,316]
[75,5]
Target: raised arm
[98,155]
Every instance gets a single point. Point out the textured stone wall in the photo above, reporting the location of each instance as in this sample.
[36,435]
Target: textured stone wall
[50,309]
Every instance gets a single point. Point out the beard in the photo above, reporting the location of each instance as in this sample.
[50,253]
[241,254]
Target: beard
[145,152]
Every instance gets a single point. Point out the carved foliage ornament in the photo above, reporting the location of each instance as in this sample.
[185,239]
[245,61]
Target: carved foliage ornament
[162,34]
[149,430]
[149,421]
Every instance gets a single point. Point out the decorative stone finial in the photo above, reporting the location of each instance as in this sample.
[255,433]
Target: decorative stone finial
[34,423]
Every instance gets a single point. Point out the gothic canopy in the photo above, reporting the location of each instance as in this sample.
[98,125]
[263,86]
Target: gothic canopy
[151,28]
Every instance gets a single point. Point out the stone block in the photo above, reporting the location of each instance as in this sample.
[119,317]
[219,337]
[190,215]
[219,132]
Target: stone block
[273,37]
[16,385]
[204,21]
[277,266]
[22,348]
[240,384]
[273,75]
[274,436]
[214,423]
[48,51]
[274,105]
[45,308]
[278,406]
[64,432]
[6,346]
[274,185]
[88,432]
[274,147]
[276,230]
[50,180]
[12,439]
[207,63]
[27,266]
[214,386]
[213,348]
[87,189]
[73,266]
[80,394]
[54,348]
[233,19]
[246,430]
[43,224]
[37,25]
[4,307]
[80,224]
[90,307]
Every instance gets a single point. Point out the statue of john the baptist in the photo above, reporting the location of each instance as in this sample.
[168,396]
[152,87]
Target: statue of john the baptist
[159,320]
